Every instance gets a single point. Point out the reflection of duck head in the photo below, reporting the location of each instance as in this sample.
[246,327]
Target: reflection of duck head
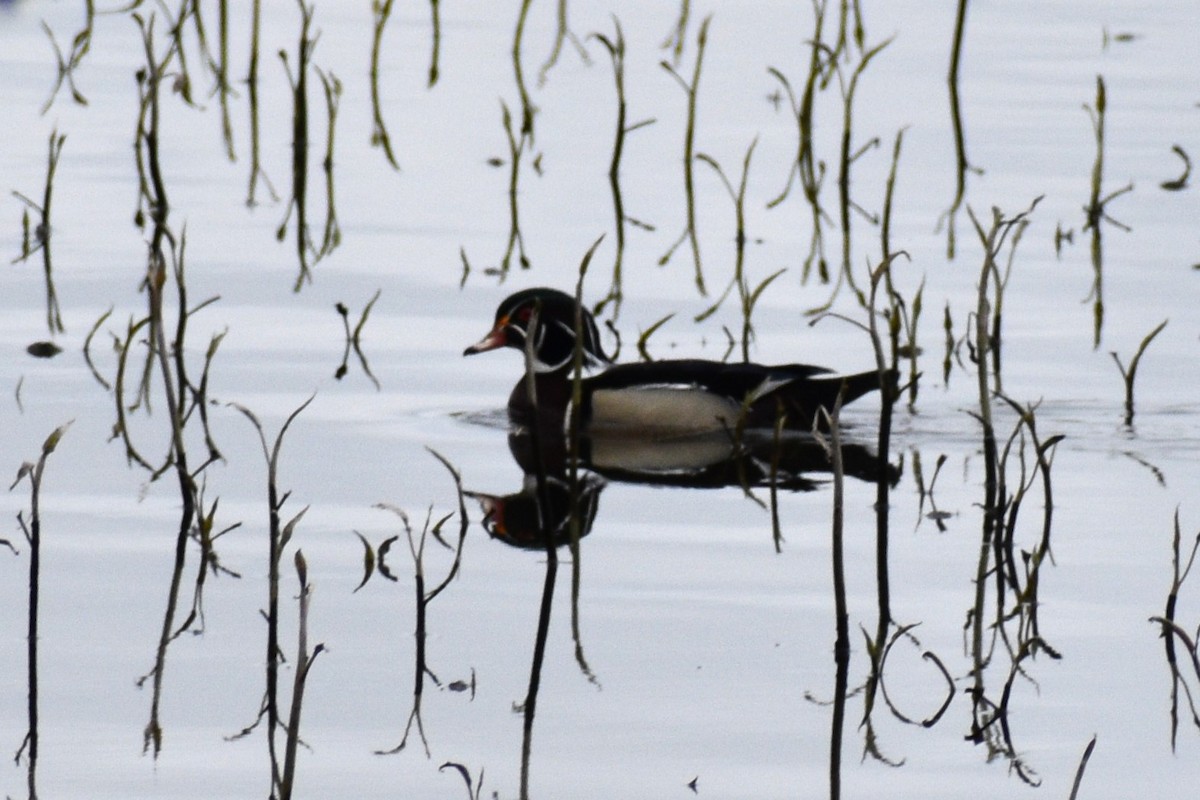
[515,519]
[658,398]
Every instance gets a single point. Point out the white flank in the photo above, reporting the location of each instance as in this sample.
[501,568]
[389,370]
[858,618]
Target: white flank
[662,410]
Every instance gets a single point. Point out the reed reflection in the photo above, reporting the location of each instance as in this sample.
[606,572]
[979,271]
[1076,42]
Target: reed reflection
[416,547]
[558,501]
[1171,631]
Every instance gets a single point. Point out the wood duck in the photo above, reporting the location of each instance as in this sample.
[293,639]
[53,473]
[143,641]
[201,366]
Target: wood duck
[659,398]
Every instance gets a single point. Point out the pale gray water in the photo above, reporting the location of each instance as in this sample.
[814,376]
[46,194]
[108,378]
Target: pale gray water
[711,653]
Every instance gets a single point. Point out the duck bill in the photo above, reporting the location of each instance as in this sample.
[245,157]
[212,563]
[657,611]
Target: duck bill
[496,338]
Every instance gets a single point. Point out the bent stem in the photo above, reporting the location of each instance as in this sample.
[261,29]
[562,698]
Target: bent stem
[1128,375]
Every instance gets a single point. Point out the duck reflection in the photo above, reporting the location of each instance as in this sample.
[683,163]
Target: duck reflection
[515,519]
[757,459]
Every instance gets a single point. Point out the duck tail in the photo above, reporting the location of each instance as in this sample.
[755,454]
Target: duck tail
[861,383]
[802,401]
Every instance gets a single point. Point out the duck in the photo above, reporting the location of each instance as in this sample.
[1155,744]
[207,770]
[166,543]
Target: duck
[657,399]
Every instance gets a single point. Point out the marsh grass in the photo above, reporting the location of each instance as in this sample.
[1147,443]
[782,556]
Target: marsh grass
[1096,209]
[299,198]
[676,38]
[926,492]
[748,295]
[961,163]
[381,11]
[220,69]
[435,50]
[528,109]
[1129,375]
[39,241]
[302,664]
[1180,183]
[562,34]
[830,419]
[810,175]
[279,535]
[848,154]
[32,530]
[575,483]
[1171,631]
[528,707]
[354,340]
[81,44]
[517,145]
[1083,761]
[256,170]
[806,168]
[1015,581]
[615,47]
[474,787]
[416,548]
[691,89]
[184,399]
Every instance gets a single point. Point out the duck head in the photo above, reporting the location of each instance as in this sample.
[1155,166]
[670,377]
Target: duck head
[552,315]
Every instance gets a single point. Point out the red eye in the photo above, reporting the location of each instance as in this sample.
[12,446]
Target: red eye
[524,313]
